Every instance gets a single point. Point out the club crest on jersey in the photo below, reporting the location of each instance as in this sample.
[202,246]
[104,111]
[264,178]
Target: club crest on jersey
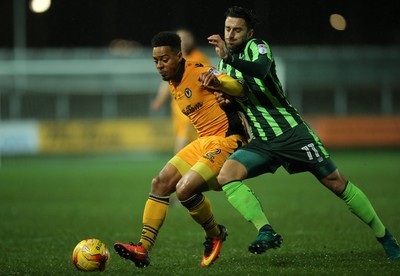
[214,71]
[188,92]
[262,49]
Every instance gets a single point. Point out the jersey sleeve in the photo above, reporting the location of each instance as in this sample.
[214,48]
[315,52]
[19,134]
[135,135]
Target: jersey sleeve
[228,84]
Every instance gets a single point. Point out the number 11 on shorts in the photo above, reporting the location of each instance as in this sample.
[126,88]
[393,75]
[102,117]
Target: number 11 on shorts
[310,148]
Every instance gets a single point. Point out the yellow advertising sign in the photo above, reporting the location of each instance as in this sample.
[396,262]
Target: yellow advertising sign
[78,136]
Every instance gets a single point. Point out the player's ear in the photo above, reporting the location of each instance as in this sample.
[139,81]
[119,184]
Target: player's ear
[250,33]
[180,56]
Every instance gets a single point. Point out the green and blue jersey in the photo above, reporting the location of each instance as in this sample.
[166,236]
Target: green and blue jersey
[267,109]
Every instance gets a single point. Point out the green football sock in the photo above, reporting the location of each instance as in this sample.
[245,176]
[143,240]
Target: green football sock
[360,206]
[246,202]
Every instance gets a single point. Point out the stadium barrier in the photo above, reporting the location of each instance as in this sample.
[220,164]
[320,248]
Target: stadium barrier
[85,136]
[105,135]
[357,132]
[156,134]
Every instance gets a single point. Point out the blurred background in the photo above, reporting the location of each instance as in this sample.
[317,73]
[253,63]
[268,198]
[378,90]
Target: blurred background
[78,76]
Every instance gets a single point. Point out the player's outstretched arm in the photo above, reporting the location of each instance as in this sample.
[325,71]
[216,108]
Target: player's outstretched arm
[222,82]
[220,47]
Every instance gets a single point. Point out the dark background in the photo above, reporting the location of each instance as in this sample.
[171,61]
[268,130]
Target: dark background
[95,23]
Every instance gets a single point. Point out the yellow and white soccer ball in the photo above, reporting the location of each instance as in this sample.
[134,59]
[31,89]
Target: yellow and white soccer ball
[91,255]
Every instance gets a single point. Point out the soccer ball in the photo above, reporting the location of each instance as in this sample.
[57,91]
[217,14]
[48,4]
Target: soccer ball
[91,255]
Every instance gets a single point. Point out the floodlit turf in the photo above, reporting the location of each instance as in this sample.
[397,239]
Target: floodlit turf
[49,204]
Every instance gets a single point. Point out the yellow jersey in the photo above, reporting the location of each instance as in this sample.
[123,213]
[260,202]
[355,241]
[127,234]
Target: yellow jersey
[199,104]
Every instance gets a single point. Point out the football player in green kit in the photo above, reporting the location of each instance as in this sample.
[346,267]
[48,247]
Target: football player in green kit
[280,137]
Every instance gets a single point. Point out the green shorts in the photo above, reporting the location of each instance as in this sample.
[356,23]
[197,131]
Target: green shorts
[297,150]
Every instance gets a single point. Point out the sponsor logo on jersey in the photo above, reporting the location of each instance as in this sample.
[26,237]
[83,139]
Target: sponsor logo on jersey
[190,109]
[188,92]
[214,71]
[262,49]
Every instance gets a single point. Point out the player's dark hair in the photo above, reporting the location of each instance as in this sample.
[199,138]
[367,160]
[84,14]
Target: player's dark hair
[249,17]
[170,39]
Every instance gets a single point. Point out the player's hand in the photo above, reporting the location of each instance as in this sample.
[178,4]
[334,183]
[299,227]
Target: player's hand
[220,47]
[222,98]
[208,79]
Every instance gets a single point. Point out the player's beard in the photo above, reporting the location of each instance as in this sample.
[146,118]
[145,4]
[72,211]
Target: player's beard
[235,48]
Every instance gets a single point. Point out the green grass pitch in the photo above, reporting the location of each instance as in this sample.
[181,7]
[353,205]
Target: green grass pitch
[49,204]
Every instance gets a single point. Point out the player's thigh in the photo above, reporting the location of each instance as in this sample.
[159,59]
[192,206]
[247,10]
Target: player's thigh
[255,159]
[187,157]
[216,152]
[194,158]
[205,156]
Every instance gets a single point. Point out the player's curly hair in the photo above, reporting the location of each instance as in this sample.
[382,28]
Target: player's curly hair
[247,14]
[165,38]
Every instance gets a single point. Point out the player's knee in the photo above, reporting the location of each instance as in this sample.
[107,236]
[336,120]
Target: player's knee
[232,170]
[335,182]
[226,176]
[161,187]
[222,179]
[184,192]
[180,196]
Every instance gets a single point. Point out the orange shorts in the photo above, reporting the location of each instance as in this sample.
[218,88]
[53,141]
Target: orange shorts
[206,155]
